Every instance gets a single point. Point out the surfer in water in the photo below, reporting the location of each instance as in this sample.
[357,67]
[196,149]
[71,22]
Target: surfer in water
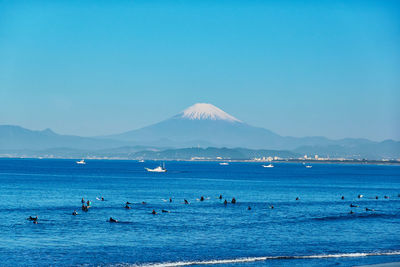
[154,212]
[248,208]
[186,202]
[220,196]
[112,220]
[165,211]
[297,198]
[233,201]
[368,209]
[74,213]
[386,197]
[127,203]
[202,198]
[144,203]
[376,197]
[127,207]
[353,206]
[83,201]
[225,202]
[342,197]
[272,207]
[170,200]
[30,218]
[351,212]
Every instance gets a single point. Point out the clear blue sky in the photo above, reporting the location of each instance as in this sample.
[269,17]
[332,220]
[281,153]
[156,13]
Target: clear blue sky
[299,68]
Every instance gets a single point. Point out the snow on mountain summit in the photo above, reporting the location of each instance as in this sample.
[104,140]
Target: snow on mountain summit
[205,111]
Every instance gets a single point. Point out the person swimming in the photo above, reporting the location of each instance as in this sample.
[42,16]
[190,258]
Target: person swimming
[376,197]
[202,198]
[233,201]
[74,213]
[144,203]
[186,202]
[225,202]
[353,206]
[112,220]
[297,198]
[127,207]
[154,212]
[30,218]
[272,206]
[248,208]
[342,197]
[351,212]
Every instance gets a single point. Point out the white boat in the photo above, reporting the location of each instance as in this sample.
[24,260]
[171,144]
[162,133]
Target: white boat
[141,160]
[82,161]
[268,166]
[308,166]
[223,163]
[157,169]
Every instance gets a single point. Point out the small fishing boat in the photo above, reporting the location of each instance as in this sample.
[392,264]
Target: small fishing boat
[82,161]
[157,169]
[268,166]
[224,163]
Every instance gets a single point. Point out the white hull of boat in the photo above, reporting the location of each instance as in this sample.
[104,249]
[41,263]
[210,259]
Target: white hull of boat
[268,166]
[158,169]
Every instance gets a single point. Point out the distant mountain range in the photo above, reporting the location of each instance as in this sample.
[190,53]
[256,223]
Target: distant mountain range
[201,125]
[18,138]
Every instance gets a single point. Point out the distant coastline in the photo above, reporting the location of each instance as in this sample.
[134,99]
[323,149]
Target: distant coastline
[330,161]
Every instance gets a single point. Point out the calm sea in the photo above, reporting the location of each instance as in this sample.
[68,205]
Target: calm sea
[315,230]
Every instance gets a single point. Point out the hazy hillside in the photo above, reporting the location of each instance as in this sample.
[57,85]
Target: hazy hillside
[15,137]
[202,126]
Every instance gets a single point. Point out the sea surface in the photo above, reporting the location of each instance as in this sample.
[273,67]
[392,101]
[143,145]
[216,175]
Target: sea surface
[316,230]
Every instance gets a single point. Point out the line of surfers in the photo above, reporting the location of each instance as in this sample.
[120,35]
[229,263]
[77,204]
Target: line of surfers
[86,205]
[185,201]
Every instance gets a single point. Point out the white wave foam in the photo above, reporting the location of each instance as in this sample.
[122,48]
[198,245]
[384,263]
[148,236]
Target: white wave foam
[253,259]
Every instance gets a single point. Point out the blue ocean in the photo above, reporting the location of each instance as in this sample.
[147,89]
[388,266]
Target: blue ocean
[315,230]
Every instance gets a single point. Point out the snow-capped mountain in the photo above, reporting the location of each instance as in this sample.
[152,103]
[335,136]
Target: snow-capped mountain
[199,125]
[207,125]
[205,111]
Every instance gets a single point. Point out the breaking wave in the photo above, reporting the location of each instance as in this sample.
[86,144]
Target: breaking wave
[254,259]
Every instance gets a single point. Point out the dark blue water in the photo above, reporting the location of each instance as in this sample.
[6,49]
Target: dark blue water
[318,225]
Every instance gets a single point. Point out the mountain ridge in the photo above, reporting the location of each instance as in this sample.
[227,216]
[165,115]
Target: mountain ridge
[200,125]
